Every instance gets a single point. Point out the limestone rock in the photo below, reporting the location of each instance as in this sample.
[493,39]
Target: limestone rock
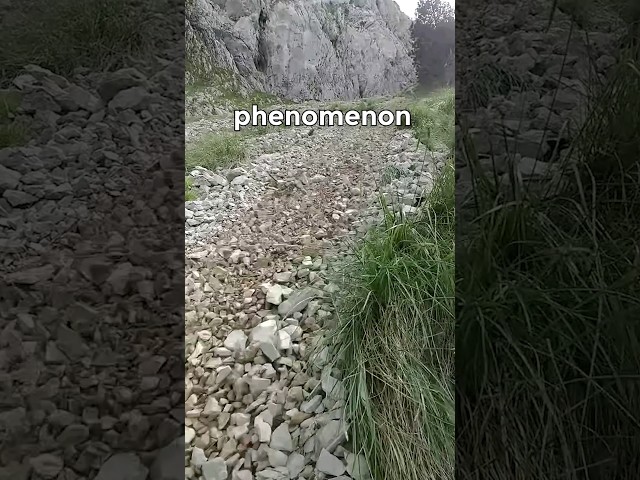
[305,49]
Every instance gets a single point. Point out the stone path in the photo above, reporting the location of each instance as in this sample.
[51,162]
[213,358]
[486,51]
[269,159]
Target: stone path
[261,246]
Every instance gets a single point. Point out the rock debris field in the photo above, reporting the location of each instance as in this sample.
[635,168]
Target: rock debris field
[263,242]
[90,372]
[521,97]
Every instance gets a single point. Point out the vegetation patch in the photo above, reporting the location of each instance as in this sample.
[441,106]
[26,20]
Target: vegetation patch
[215,151]
[432,118]
[548,306]
[13,133]
[62,36]
[394,340]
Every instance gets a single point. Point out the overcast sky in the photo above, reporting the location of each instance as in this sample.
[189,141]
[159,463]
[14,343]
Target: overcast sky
[409,6]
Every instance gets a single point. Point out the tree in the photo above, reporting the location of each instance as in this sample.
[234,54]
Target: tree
[433,35]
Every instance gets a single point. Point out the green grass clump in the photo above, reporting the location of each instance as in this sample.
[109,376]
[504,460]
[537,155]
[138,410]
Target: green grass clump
[394,342]
[189,194]
[13,133]
[215,151]
[432,119]
[61,36]
[548,308]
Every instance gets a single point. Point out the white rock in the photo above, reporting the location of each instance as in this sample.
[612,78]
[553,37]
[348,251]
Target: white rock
[294,331]
[274,295]
[282,277]
[240,418]
[284,340]
[298,301]
[258,385]
[236,340]
[198,457]
[276,473]
[264,332]
[212,407]
[242,475]
[189,435]
[263,429]
[222,373]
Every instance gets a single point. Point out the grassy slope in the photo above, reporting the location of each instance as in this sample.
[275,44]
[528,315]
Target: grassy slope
[548,310]
[394,342]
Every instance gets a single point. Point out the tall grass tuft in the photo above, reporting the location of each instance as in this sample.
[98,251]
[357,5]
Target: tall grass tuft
[548,307]
[394,342]
[432,119]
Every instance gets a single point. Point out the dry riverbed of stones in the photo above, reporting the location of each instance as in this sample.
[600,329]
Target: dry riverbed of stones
[263,243]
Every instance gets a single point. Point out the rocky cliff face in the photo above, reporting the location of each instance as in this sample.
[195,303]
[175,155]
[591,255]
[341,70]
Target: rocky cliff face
[302,49]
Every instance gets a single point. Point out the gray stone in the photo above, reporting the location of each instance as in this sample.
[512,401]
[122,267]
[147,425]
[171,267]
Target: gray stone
[264,332]
[47,465]
[277,458]
[135,98]
[242,475]
[277,473]
[270,350]
[311,405]
[169,462]
[357,467]
[330,464]
[9,179]
[17,198]
[295,464]
[123,466]
[281,439]
[215,469]
[73,435]
[298,301]
[32,275]
[198,457]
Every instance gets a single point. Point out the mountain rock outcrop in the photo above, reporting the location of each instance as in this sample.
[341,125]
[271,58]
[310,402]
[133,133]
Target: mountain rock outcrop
[302,49]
